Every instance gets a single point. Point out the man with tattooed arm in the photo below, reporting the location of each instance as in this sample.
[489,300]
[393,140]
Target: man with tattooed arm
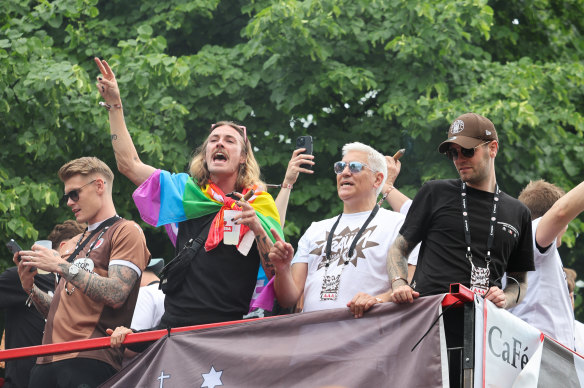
[99,277]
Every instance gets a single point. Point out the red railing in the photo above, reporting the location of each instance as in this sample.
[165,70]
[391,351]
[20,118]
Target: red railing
[458,292]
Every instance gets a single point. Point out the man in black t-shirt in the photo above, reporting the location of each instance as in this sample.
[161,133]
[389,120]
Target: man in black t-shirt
[471,232]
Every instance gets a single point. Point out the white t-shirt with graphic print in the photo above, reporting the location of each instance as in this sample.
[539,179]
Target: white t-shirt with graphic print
[366,271]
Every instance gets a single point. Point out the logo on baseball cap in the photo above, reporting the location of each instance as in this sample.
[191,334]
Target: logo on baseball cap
[468,131]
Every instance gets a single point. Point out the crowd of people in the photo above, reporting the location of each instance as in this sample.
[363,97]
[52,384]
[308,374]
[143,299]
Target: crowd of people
[103,281]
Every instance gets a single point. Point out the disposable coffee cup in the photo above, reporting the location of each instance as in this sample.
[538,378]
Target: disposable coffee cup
[230,229]
[47,244]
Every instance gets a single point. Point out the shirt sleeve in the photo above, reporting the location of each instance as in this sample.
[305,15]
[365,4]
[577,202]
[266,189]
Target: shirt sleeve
[144,311]
[406,207]
[522,258]
[129,245]
[418,216]
[303,250]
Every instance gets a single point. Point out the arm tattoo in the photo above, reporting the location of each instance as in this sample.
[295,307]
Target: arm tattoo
[42,301]
[397,258]
[114,137]
[514,292]
[264,246]
[112,290]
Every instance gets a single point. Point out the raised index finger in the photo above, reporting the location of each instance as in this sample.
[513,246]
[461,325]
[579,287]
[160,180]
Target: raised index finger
[276,235]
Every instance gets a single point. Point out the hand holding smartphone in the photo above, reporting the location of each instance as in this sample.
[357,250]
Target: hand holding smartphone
[13,246]
[305,142]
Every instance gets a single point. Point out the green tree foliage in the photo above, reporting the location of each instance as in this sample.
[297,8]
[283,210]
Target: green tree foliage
[391,74]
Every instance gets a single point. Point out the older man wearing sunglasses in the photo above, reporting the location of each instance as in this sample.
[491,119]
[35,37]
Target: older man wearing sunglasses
[340,261]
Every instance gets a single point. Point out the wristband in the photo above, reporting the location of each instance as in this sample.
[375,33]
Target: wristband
[109,107]
[385,195]
[287,186]
[28,302]
[399,278]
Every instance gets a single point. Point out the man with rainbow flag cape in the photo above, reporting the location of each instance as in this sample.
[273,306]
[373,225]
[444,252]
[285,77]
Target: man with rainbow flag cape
[220,279]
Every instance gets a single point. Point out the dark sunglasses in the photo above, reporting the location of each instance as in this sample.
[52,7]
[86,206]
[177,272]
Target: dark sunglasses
[354,167]
[452,153]
[74,194]
[241,127]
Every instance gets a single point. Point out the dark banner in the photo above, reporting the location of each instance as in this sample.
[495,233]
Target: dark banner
[322,348]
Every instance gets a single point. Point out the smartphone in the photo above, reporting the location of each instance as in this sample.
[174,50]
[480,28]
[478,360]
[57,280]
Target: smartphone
[13,246]
[305,142]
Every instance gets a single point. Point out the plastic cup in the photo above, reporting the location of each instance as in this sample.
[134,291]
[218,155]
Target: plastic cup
[47,244]
[230,229]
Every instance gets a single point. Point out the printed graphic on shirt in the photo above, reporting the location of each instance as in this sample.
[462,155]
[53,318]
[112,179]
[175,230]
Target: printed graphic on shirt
[508,228]
[340,246]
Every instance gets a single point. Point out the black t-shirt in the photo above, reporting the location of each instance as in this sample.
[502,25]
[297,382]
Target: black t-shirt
[435,218]
[23,325]
[219,284]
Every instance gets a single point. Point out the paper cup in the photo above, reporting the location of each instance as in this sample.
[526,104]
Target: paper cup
[47,244]
[230,229]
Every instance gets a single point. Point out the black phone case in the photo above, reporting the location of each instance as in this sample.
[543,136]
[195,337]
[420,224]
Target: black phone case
[13,246]
[305,142]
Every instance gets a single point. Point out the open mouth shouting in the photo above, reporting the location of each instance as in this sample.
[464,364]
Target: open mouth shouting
[220,156]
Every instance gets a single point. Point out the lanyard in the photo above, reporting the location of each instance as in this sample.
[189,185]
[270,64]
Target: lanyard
[103,227]
[492,223]
[329,240]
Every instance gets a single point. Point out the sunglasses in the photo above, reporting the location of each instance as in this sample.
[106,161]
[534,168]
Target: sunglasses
[74,194]
[354,167]
[241,128]
[452,153]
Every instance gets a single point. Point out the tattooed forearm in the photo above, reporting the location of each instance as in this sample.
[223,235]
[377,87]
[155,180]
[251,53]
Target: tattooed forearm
[397,258]
[42,301]
[112,290]
[114,137]
[264,245]
[515,292]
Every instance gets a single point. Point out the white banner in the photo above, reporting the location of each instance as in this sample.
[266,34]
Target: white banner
[503,345]
[552,365]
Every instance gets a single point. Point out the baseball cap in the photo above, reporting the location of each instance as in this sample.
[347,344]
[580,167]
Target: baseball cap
[468,131]
[155,265]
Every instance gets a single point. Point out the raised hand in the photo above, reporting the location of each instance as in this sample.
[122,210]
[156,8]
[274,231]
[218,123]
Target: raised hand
[281,253]
[298,158]
[107,84]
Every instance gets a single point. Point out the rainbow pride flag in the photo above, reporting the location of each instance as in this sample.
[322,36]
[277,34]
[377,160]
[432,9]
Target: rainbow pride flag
[166,199]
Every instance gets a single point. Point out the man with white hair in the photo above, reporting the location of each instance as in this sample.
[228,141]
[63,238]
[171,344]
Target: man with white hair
[340,261]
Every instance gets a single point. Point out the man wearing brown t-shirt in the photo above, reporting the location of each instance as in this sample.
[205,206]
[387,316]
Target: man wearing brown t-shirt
[99,279]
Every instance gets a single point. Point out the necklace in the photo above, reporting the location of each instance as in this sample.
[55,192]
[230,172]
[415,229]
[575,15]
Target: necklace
[331,283]
[479,276]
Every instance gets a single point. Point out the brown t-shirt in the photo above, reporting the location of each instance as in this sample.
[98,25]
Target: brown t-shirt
[76,316]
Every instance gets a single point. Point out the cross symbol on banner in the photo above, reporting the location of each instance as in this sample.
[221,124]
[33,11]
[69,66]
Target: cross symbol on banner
[162,377]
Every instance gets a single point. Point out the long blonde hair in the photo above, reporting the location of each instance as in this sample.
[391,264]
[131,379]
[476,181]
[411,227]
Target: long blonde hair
[249,172]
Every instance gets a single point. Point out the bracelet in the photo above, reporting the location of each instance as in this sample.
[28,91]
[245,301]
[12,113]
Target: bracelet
[399,278]
[385,195]
[379,300]
[109,107]
[28,302]
[287,186]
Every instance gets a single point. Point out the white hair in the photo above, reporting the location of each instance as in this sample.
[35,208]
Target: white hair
[375,160]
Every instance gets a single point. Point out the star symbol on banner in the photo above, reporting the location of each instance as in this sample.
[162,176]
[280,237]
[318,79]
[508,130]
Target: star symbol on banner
[212,379]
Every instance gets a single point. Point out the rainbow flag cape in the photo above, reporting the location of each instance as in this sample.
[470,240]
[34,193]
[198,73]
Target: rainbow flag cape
[166,199]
